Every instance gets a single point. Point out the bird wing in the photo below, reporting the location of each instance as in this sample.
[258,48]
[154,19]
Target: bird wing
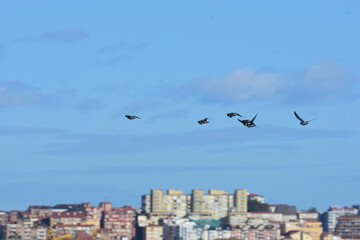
[297,116]
[242,121]
[252,120]
[137,117]
[238,114]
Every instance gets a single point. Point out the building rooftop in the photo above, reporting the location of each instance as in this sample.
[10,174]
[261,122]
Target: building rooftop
[284,209]
[254,195]
[70,207]
[265,212]
[68,215]
[39,207]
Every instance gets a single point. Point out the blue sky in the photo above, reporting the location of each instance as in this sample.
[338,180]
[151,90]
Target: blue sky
[70,71]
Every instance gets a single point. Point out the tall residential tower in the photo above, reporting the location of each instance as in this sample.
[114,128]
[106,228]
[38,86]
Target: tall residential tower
[216,204]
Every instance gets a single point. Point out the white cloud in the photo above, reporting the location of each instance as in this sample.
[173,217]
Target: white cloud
[240,85]
[320,82]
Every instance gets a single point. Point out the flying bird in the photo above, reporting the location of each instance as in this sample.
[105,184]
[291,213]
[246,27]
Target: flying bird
[302,122]
[232,114]
[131,117]
[201,122]
[248,123]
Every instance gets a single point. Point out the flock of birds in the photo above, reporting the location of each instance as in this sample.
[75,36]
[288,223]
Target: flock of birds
[246,123]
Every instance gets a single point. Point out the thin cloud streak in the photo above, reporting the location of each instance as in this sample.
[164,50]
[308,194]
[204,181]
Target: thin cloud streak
[28,131]
[160,169]
[14,93]
[84,144]
[281,147]
[112,61]
[122,47]
[115,53]
[140,106]
[172,114]
[165,169]
[65,35]
[88,105]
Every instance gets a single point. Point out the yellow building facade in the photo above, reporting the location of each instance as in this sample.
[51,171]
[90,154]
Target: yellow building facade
[153,232]
[314,228]
[95,223]
[298,235]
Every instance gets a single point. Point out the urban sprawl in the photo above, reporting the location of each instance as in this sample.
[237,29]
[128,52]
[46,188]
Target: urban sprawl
[179,216]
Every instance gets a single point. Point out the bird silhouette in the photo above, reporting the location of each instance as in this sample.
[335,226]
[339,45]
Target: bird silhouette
[131,117]
[302,122]
[232,114]
[248,123]
[201,122]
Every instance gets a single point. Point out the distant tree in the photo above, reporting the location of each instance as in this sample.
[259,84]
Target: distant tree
[256,206]
[312,209]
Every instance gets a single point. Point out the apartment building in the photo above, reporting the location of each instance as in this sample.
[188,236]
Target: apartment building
[73,218]
[92,215]
[12,231]
[297,235]
[306,215]
[72,229]
[330,236]
[348,227]
[4,217]
[151,232]
[174,202]
[216,204]
[180,228]
[121,220]
[40,211]
[329,218]
[256,232]
[312,227]
[256,197]
[22,230]
[271,216]
[235,219]
[217,233]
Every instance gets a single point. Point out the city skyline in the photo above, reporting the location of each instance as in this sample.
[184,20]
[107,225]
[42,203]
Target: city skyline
[71,71]
[145,199]
[177,215]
